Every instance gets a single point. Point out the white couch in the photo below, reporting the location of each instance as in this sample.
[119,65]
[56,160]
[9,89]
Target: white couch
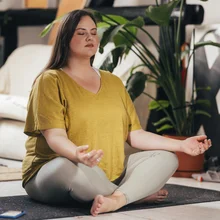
[16,77]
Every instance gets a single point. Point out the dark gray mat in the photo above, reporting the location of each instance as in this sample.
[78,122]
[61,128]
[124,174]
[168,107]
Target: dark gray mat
[178,195]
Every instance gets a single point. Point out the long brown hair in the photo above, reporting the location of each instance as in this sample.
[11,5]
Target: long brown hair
[60,51]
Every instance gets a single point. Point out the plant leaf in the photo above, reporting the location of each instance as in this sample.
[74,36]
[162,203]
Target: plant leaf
[208,88]
[139,22]
[206,43]
[50,25]
[112,58]
[158,105]
[135,84]
[153,81]
[203,102]
[161,14]
[161,121]
[109,34]
[114,19]
[164,127]
[102,24]
[201,112]
[46,30]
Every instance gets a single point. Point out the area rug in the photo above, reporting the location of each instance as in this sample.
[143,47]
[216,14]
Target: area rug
[9,174]
[178,195]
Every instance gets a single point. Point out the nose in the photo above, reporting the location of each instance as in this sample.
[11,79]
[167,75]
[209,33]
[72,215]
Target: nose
[88,36]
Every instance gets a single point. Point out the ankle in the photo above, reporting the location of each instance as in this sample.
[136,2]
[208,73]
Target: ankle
[119,197]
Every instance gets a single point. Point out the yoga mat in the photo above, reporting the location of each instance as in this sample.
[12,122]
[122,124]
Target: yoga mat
[178,195]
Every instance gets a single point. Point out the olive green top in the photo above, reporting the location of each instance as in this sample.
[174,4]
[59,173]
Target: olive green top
[101,120]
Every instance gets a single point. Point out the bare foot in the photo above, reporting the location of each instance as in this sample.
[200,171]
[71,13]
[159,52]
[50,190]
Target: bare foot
[103,204]
[156,197]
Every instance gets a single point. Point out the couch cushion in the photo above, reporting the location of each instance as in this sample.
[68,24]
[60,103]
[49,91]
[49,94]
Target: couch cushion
[13,107]
[12,144]
[23,65]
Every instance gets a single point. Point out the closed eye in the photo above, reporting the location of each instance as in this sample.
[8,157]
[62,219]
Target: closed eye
[81,33]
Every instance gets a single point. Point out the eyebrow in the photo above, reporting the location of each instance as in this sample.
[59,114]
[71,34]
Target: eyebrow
[85,29]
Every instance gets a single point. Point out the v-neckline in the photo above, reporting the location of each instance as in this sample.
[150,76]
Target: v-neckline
[81,87]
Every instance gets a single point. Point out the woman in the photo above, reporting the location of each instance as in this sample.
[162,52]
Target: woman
[78,120]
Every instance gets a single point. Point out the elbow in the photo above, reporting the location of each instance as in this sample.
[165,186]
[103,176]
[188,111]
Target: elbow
[135,137]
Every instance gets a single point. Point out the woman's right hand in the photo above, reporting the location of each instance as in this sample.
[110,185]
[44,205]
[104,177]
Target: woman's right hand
[91,158]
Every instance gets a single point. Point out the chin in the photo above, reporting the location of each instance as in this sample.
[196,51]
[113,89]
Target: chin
[90,54]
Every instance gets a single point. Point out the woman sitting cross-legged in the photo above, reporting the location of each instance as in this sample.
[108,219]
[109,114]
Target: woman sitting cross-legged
[78,121]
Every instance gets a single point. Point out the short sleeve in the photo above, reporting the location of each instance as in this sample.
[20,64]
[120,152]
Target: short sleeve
[45,106]
[134,122]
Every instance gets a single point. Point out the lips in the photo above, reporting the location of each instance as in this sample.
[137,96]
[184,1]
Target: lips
[89,45]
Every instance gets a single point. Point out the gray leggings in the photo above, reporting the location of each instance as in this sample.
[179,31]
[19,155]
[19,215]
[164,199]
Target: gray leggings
[61,180]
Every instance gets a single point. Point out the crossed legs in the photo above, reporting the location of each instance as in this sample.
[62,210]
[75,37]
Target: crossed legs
[60,181]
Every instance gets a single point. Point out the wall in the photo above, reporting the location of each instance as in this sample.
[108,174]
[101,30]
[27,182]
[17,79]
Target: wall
[212,15]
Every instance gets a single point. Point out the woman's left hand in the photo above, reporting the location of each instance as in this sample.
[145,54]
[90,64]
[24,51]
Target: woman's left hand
[195,145]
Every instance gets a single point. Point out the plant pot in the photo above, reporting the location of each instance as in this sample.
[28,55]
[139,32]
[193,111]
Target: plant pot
[187,164]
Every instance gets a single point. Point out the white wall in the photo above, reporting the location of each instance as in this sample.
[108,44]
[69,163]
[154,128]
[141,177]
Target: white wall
[133,2]
[211,16]
[211,7]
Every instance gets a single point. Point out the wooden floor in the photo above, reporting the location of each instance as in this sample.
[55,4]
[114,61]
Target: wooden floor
[201,211]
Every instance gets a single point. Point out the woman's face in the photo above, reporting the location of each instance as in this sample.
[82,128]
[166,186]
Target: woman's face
[85,41]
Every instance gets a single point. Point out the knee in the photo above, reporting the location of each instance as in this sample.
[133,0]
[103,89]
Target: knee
[170,159]
[59,170]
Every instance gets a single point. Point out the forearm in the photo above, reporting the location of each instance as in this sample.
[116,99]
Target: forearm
[144,140]
[63,146]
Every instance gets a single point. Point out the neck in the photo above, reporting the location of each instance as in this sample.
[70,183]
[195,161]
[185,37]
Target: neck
[78,66]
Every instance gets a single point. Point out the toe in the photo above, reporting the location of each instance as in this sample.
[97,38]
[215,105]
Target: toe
[163,192]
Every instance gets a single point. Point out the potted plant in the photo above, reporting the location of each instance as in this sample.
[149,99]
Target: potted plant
[179,115]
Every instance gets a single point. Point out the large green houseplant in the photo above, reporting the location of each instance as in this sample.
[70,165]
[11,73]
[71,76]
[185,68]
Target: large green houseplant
[165,71]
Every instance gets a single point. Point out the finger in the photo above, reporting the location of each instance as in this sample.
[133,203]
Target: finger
[91,154]
[96,158]
[206,144]
[209,142]
[202,150]
[87,156]
[196,151]
[82,148]
[201,137]
[202,147]
[100,156]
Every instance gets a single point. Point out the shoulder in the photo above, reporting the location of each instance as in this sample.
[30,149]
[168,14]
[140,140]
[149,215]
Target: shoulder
[47,76]
[47,79]
[111,77]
